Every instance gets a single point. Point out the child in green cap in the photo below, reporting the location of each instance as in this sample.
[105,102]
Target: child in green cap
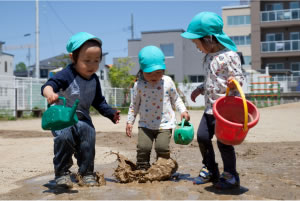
[222,64]
[78,81]
[154,97]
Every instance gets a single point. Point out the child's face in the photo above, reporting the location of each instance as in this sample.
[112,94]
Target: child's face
[153,77]
[88,60]
[199,45]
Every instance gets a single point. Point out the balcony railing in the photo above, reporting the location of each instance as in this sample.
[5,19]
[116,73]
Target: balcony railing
[280,15]
[280,46]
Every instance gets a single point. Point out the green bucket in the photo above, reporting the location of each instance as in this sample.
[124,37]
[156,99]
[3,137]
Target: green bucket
[57,117]
[184,133]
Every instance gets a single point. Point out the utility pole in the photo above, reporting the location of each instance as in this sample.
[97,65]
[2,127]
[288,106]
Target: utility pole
[28,56]
[132,27]
[37,35]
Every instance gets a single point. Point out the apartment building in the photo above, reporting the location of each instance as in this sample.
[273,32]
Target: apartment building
[237,25]
[181,56]
[275,35]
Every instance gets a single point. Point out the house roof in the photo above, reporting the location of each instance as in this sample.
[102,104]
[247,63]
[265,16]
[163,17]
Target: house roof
[53,62]
[163,31]
[1,52]
[7,54]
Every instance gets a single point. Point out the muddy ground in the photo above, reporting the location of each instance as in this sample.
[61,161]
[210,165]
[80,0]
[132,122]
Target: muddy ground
[269,167]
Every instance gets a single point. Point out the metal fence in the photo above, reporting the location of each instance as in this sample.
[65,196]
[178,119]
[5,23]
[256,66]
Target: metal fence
[22,96]
[19,96]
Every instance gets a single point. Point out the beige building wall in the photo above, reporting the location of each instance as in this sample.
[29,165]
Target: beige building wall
[239,30]
[236,11]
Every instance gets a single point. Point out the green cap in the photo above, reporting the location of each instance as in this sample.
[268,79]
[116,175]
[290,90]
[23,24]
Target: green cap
[78,39]
[151,58]
[208,23]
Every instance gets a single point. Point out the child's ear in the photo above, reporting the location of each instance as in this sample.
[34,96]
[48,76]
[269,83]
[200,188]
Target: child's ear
[71,57]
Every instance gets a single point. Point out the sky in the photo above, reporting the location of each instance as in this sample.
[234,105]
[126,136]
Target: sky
[108,20]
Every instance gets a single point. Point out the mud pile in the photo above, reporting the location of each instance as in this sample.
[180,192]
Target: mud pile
[161,170]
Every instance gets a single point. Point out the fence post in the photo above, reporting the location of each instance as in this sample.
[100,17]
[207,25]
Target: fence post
[16,102]
[115,97]
[30,93]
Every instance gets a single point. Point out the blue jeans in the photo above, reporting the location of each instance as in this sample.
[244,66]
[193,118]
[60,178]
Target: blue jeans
[206,131]
[78,140]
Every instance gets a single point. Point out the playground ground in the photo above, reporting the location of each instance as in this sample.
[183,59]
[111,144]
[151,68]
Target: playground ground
[268,162]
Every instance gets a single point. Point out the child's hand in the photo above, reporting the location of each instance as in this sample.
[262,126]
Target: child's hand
[117,117]
[50,95]
[230,83]
[128,129]
[185,115]
[196,93]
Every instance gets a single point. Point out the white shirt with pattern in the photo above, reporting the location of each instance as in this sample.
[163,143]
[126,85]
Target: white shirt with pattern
[155,103]
[219,66]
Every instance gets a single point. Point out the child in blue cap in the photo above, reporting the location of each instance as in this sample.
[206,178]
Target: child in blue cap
[154,97]
[78,81]
[222,64]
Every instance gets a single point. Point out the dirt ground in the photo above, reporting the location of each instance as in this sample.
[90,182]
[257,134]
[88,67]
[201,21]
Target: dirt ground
[268,162]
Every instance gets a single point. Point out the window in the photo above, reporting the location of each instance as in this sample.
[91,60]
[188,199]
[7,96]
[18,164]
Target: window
[5,66]
[168,49]
[238,20]
[294,4]
[196,78]
[278,66]
[241,40]
[295,35]
[172,76]
[273,6]
[274,36]
[247,60]
[295,68]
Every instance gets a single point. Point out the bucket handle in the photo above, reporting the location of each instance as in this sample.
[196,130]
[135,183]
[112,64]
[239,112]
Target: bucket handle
[239,88]
[182,122]
[62,98]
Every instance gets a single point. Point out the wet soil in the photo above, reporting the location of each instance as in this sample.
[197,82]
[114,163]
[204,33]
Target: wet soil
[267,171]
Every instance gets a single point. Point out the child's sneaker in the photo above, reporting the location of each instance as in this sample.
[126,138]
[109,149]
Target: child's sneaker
[64,181]
[89,180]
[228,181]
[204,176]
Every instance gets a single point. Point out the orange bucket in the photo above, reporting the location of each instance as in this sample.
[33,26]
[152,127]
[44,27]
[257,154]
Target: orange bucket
[234,117]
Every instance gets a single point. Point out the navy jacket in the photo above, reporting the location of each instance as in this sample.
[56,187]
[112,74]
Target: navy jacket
[69,84]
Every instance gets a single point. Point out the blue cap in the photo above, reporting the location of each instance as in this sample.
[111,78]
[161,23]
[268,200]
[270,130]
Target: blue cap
[78,39]
[208,23]
[151,58]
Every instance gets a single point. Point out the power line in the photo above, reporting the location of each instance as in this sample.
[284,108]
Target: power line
[59,18]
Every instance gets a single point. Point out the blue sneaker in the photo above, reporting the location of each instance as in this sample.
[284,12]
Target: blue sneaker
[204,176]
[228,181]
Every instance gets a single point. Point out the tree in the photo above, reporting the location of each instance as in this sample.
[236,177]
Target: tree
[119,75]
[21,67]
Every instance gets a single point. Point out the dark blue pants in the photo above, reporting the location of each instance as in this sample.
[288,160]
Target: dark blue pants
[78,140]
[205,134]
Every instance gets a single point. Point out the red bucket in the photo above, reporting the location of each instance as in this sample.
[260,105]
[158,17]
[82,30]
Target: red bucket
[234,117]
